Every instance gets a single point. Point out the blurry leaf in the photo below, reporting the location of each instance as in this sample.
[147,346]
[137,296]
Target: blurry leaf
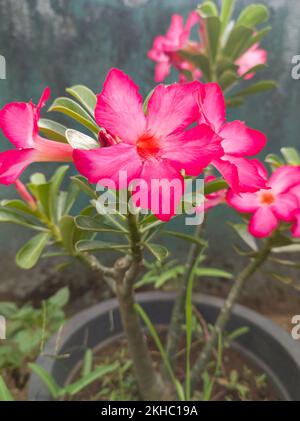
[5,394]
[291,155]
[237,39]
[214,273]
[60,299]
[6,215]
[228,79]
[158,251]
[257,37]
[38,178]
[186,237]
[283,262]
[18,205]
[199,60]
[237,333]
[234,102]
[274,161]
[85,96]
[55,184]
[46,378]
[84,186]
[30,253]
[262,86]
[293,248]
[212,34]
[280,240]
[67,229]
[253,15]
[72,109]
[92,224]
[226,13]
[207,8]
[81,141]
[253,70]
[87,363]
[52,130]
[287,280]
[214,186]
[242,231]
[96,245]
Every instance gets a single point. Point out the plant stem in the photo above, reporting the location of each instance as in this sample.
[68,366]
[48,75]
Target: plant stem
[226,310]
[178,313]
[149,381]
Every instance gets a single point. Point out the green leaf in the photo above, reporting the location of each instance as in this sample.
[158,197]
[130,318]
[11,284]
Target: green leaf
[46,378]
[284,262]
[280,240]
[84,186]
[253,70]
[212,35]
[236,42]
[212,272]
[95,245]
[67,229]
[85,381]
[88,223]
[5,394]
[6,215]
[52,130]
[38,178]
[253,15]
[199,60]
[293,248]
[214,186]
[262,86]
[208,8]
[274,160]
[81,141]
[226,13]
[158,251]
[85,96]
[291,155]
[228,79]
[29,254]
[19,206]
[60,299]
[199,241]
[72,109]
[234,102]
[87,363]
[55,184]
[242,231]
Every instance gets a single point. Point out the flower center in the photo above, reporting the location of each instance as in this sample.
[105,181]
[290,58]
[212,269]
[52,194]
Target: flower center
[267,197]
[147,145]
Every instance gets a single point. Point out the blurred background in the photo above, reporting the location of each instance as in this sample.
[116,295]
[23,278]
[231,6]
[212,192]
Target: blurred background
[59,43]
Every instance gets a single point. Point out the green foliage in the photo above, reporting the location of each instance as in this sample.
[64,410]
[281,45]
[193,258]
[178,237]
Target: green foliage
[29,327]
[5,394]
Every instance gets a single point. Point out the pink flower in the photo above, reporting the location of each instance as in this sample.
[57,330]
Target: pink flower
[214,199]
[269,206]
[19,123]
[252,57]
[152,146]
[238,141]
[165,49]
[296,214]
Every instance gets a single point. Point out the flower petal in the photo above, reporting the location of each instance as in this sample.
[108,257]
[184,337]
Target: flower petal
[119,107]
[240,140]
[17,123]
[194,150]
[284,178]
[13,163]
[296,226]
[172,108]
[212,106]
[162,70]
[284,206]
[162,191]
[106,163]
[243,202]
[263,222]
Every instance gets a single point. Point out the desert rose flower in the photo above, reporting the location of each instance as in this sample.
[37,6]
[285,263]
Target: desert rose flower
[296,214]
[238,141]
[165,49]
[252,57]
[19,123]
[157,145]
[269,206]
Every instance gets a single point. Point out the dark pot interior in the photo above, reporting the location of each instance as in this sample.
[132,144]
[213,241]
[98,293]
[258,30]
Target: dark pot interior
[266,345]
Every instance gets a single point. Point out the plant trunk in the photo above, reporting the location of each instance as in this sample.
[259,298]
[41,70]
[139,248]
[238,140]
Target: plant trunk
[225,313]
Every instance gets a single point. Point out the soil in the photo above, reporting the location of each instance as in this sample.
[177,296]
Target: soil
[237,379]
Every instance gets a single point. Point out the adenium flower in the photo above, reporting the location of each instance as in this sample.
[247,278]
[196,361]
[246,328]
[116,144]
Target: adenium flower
[238,141]
[272,205]
[296,214]
[252,57]
[19,123]
[216,198]
[165,49]
[157,145]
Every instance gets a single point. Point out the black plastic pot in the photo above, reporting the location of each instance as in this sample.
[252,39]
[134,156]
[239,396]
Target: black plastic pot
[266,345]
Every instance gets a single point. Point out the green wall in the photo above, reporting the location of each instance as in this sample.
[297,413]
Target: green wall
[64,42]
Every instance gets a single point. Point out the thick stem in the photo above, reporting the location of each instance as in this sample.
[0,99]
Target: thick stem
[149,381]
[178,313]
[225,313]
